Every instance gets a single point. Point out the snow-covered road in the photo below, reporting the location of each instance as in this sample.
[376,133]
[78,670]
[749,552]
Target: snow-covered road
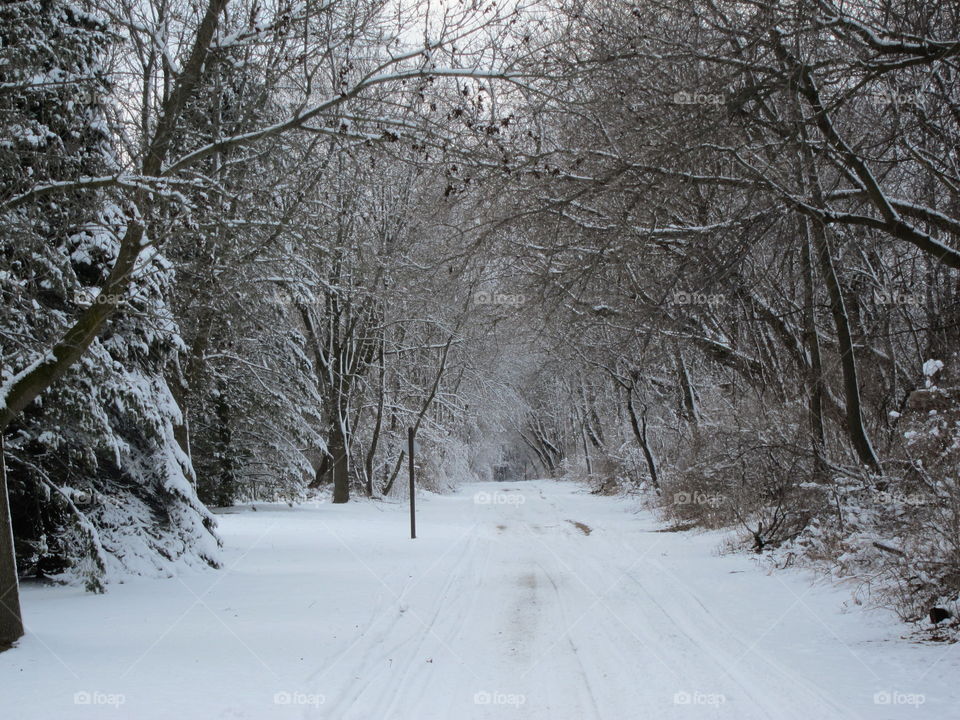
[521,600]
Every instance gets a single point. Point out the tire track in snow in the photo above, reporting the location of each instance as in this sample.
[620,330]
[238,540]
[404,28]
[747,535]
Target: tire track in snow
[420,688]
[800,699]
[587,706]
[725,671]
[605,612]
[397,645]
[732,638]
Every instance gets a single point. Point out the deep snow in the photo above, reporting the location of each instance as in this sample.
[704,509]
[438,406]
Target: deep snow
[519,600]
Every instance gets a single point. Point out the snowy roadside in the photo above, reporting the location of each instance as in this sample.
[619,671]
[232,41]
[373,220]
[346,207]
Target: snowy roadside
[517,600]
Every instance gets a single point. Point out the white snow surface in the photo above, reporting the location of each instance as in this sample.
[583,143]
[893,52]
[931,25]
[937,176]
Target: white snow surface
[502,608]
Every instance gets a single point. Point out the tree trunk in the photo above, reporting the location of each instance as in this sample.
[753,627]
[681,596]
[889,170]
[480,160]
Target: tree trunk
[339,466]
[11,620]
[819,233]
[378,423]
[586,448]
[640,432]
[690,410]
[815,380]
[225,493]
[848,360]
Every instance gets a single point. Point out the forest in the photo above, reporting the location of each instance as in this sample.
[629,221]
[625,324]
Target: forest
[703,253]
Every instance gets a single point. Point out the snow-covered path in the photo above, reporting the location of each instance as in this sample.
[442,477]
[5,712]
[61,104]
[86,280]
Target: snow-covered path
[525,600]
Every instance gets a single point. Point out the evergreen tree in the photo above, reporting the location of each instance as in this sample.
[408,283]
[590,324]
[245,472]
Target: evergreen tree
[97,481]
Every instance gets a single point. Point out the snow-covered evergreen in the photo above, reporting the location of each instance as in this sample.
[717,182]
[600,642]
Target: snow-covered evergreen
[99,486]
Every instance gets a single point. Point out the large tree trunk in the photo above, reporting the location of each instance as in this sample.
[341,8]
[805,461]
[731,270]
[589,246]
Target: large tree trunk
[339,465]
[11,621]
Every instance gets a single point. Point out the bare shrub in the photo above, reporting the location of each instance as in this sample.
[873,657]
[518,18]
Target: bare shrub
[740,478]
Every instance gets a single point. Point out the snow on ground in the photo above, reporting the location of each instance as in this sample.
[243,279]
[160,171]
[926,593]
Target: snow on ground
[519,600]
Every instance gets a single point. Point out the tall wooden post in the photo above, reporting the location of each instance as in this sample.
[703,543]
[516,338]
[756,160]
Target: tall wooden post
[413,487]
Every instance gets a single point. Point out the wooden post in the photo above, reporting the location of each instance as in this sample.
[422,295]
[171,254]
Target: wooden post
[413,488]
